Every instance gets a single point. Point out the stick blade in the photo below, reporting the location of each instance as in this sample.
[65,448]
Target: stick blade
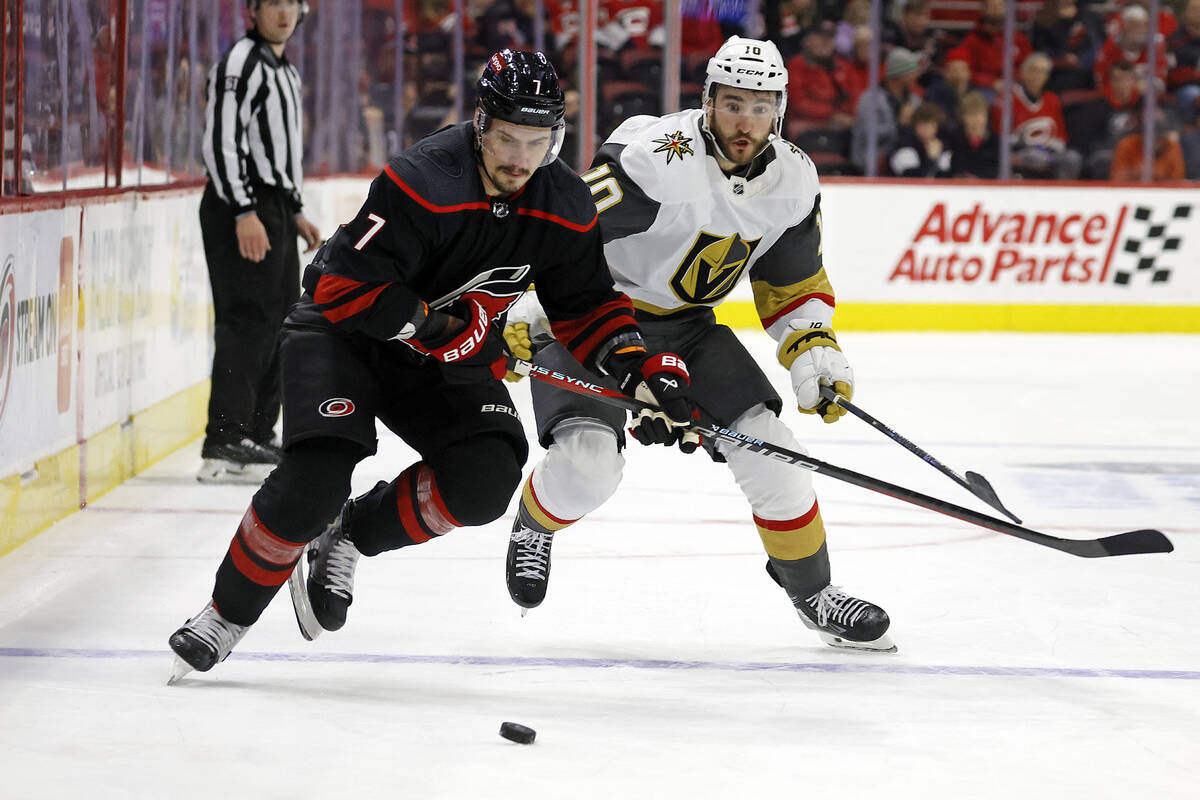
[1136,542]
[980,487]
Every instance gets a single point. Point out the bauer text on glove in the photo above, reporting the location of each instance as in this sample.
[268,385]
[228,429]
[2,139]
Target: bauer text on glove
[462,339]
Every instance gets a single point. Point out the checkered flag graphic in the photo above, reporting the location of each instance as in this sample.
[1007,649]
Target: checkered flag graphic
[1148,242]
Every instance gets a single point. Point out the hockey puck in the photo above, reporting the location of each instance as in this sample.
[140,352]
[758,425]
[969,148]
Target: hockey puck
[517,733]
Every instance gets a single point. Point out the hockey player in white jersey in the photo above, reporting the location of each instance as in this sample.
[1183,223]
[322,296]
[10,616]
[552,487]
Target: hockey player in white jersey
[691,204]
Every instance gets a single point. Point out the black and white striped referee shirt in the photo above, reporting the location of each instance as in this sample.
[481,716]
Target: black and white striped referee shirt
[252,124]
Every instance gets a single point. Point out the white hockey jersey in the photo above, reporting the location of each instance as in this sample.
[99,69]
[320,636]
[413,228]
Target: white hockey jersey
[679,233]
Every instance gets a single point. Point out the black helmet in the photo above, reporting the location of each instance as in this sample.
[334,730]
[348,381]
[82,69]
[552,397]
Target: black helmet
[521,88]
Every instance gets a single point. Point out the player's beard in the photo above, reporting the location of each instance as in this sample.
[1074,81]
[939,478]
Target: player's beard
[744,155]
[506,182]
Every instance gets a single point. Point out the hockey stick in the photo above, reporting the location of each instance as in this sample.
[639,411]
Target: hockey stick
[1121,544]
[974,483]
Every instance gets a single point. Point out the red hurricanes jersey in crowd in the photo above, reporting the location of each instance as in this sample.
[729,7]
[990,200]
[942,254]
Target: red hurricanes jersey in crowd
[1035,122]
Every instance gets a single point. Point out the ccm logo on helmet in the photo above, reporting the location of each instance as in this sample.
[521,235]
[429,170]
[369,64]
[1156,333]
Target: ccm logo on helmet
[337,407]
[744,71]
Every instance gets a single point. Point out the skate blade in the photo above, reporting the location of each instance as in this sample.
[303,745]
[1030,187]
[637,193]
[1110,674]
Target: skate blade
[227,472]
[178,670]
[310,629]
[883,644]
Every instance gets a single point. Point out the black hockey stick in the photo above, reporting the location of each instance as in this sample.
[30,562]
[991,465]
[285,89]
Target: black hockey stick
[1121,544]
[974,483]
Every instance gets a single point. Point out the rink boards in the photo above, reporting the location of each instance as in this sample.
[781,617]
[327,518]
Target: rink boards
[105,312]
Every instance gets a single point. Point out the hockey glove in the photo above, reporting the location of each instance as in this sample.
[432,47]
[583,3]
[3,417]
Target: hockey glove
[813,358]
[661,379]
[520,344]
[463,340]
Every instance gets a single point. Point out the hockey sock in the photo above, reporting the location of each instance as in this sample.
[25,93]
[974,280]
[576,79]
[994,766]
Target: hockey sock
[292,507]
[797,551]
[532,515]
[469,483]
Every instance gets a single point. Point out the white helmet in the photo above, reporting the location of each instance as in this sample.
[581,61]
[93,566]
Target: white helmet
[750,64]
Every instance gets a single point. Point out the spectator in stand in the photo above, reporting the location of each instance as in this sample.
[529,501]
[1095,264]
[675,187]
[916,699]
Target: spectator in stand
[914,33]
[856,15]
[1184,48]
[1120,114]
[1131,44]
[1168,155]
[974,148]
[858,68]
[1039,135]
[630,23]
[1072,36]
[984,48]
[796,18]
[949,90]
[891,103]
[1167,24]
[920,151]
[510,24]
[819,99]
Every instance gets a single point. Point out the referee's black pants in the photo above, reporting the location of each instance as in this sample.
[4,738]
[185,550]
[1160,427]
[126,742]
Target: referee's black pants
[250,301]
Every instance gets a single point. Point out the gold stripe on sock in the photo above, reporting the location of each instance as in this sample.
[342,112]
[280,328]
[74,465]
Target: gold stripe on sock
[531,508]
[794,538]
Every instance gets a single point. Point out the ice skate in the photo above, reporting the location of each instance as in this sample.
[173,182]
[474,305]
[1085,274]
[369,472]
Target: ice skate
[243,462]
[841,620]
[527,568]
[322,598]
[845,621]
[204,641]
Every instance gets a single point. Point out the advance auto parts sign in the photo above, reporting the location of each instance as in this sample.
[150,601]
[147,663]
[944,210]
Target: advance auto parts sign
[1037,245]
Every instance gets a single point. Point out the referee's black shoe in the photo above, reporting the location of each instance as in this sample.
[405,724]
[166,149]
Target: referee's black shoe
[237,462]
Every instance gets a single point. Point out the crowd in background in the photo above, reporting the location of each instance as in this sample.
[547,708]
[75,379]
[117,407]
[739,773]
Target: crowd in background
[1081,71]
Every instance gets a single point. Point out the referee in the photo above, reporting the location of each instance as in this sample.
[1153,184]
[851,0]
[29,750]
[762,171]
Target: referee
[250,218]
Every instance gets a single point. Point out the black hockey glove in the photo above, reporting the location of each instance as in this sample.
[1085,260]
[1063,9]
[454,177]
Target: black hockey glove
[661,379]
[463,339]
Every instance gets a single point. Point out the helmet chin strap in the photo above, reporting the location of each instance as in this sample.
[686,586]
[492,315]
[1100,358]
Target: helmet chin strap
[717,142]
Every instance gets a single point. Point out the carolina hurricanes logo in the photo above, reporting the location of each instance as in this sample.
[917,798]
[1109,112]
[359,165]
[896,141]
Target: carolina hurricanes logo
[8,311]
[337,407]
[674,144]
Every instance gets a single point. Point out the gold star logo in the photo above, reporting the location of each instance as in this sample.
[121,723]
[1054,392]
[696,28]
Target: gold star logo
[674,144]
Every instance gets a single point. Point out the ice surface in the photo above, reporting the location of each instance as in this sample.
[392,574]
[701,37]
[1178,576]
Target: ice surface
[664,663]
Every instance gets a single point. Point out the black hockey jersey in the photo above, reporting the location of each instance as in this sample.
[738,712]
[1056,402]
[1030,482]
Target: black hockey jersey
[427,231]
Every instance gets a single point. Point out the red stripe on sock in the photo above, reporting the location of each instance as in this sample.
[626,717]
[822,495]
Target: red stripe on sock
[542,508]
[433,508]
[256,574]
[404,506]
[265,544]
[788,524]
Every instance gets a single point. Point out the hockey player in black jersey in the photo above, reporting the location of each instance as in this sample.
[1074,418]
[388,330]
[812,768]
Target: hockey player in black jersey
[400,320]
[691,204]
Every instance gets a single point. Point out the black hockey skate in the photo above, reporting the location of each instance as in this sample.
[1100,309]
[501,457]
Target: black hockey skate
[204,641]
[322,599]
[842,620]
[527,568]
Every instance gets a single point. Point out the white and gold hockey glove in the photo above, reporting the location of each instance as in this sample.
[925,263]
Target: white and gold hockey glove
[813,358]
[520,344]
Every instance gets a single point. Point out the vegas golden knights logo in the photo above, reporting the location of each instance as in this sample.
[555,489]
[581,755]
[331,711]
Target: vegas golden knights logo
[711,267]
